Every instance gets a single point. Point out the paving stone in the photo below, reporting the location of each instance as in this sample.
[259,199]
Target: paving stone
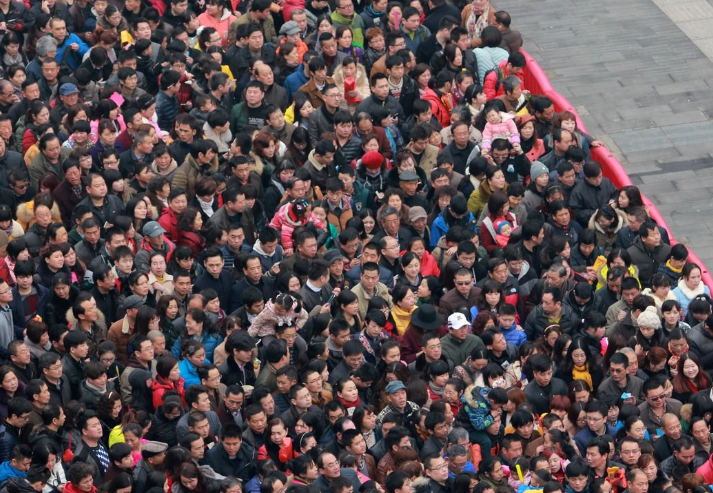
[640,140]
[667,177]
[679,118]
[645,86]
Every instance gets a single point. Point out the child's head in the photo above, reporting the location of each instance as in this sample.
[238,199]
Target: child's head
[577,474]
[506,315]
[541,477]
[205,102]
[464,80]
[503,228]
[492,113]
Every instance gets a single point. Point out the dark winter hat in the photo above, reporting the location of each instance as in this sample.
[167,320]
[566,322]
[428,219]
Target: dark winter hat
[408,176]
[290,27]
[132,301]
[372,160]
[152,448]
[332,256]
[583,290]
[536,169]
[427,318]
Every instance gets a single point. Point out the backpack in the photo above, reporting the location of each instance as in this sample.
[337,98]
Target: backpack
[499,77]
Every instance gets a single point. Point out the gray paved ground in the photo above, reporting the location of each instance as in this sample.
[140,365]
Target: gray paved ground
[643,87]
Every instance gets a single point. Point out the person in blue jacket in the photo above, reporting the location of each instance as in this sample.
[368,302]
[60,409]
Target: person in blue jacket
[193,353]
[198,328]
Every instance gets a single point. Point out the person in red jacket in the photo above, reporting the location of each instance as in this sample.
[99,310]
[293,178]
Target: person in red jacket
[177,203]
[168,377]
[493,83]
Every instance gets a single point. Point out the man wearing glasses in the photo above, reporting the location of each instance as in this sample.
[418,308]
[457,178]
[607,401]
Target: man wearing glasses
[619,383]
[344,16]
[436,469]
[656,405]
[329,471]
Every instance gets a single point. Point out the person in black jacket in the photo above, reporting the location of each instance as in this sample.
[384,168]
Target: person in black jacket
[164,421]
[232,456]
[238,367]
[90,449]
[77,349]
[18,413]
[152,455]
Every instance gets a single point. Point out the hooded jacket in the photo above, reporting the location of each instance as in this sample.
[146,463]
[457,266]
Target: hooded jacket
[161,386]
[286,222]
[188,174]
[648,261]
[538,321]
[474,414]
[606,239]
[221,25]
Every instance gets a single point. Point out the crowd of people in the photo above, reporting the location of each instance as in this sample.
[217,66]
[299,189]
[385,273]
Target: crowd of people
[326,246]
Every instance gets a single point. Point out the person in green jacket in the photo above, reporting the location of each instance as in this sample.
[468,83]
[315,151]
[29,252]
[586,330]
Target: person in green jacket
[344,15]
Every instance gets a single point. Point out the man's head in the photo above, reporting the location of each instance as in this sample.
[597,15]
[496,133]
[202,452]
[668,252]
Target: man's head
[637,480]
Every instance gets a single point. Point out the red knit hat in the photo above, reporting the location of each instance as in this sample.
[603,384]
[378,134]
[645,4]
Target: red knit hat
[372,160]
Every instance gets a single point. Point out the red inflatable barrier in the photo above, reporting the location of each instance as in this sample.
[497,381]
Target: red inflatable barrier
[537,83]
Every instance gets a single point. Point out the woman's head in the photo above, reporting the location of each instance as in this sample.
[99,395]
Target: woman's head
[495,177]
[190,220]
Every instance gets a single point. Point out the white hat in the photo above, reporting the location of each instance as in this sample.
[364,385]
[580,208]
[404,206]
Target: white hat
[649,318]
[457,321]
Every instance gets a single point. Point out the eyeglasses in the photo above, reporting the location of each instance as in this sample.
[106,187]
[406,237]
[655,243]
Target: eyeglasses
[440,466]
[464,283]
[6,291]
[55,368]
[658,397]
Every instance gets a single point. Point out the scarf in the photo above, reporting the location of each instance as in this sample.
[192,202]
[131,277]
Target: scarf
[348,404]
[402,318]
[458,94]
[673,360]
[206,207]
[477,21]
[582,373]
[672,268]
[688,292]
[370,438]
[436,390]
[395,88]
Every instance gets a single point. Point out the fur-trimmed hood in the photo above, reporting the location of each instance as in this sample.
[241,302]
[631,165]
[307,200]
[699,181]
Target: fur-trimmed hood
[16,230]
[72,320]
[26,214]
[594,225]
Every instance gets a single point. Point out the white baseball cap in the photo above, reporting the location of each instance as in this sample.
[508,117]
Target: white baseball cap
[457,321]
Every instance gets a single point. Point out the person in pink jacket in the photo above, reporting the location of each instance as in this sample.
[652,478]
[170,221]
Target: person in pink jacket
[499,126]
[218,17]
[290,217]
